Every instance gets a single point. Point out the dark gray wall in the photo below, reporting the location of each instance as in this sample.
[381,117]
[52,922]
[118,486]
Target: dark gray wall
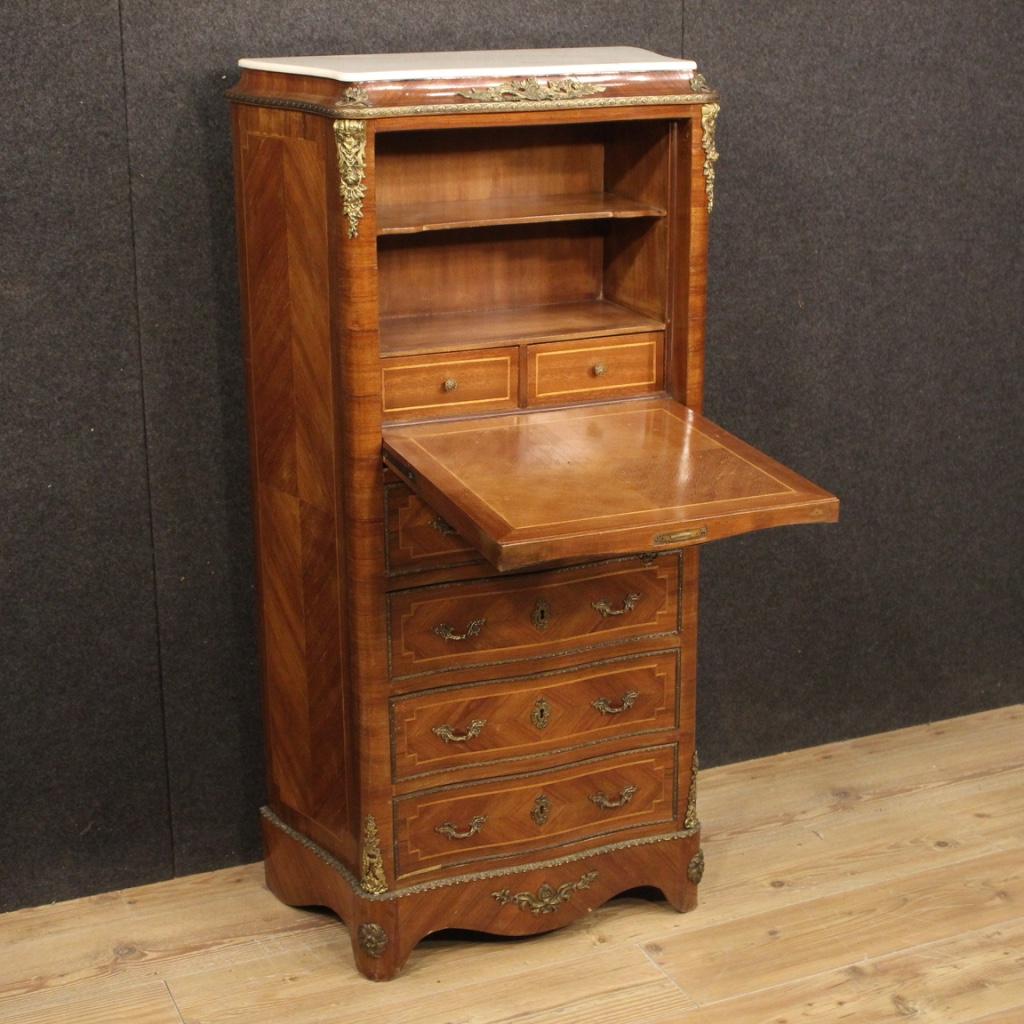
[866,323]
[864,326]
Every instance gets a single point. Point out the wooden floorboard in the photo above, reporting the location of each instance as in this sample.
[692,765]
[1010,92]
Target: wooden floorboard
[880,879]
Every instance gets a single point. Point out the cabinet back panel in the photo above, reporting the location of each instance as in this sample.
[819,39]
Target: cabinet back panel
[497,268]
[488,163]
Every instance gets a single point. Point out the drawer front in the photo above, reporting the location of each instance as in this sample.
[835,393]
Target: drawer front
[576,371]
[446,385]
[518,717]
[508,619]
[417,538]
[537,810]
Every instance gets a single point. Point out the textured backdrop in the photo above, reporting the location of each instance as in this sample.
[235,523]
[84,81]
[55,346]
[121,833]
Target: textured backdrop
[864,328]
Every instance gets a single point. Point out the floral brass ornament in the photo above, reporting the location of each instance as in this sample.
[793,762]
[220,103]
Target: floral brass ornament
[541,810]
[373,880]
[691,820]
[449,735]
[373,939]
[442,527]
[530,90]
[548,899]
[695,869]
[350,137]
[699,84]
[708,113]
[356,96]
[541,714]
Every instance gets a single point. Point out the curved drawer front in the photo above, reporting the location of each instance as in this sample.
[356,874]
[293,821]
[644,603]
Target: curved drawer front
[487,622]
[536,811]
[417,538]
[532,715]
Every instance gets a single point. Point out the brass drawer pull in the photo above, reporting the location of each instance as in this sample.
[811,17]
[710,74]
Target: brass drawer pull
[449,384]
[628,700]
[610,803]
[541,810]
[442,527]
[446,632]
[449,735]
[452,831]
[599,369]
[607,610]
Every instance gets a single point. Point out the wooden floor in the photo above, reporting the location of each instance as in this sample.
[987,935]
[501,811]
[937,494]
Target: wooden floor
[876,880]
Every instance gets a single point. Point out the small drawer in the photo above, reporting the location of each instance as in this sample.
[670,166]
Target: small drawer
[537,810]
[418,387]
[417,538]
[530,715]
[578,371]
[512,618]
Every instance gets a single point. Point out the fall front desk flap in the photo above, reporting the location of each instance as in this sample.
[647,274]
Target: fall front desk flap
[540,487]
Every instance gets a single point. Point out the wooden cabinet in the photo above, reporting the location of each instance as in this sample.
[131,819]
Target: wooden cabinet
[474,301]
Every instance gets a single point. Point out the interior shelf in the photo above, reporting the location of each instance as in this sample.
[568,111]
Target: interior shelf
[563,321]
[414,217]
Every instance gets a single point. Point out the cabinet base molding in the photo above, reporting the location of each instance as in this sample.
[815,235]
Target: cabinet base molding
[521,900]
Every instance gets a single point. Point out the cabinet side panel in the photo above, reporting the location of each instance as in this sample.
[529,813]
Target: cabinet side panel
[282,205]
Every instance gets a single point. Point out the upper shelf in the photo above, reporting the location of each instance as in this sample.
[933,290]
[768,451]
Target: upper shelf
[411,218]
[562,321]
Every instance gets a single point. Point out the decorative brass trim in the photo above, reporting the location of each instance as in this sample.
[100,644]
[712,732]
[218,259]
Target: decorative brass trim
[452,831]
[541,810]
[373,940]
[449,735]
[691,821]
[531,90]
[541,615]
[350,137]
[476,876]
[372,860]
[548,899]
[353,111]
[446,632]
[628,700]
[606,610]
[699,84]
[695,869]
[681,535]
[609,803]
[708,113]
[541,713]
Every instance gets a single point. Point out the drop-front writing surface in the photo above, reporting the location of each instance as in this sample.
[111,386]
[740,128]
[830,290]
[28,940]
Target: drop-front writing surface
[474,323]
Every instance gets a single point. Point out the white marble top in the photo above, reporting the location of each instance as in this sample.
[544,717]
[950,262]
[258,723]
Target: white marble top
[389,67]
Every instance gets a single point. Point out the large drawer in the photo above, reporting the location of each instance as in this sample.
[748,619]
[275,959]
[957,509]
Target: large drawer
[449,728]
[537,810]
[417,538]
[508,619]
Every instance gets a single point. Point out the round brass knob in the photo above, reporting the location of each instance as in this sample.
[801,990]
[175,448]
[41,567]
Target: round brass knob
[450,384]
[599,369]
